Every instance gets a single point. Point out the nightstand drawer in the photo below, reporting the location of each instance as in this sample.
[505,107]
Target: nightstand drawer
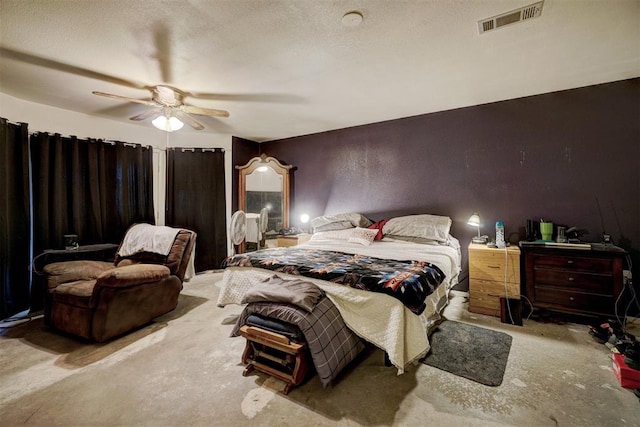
[585,282]
[484,304]
[494,288]
[491,266]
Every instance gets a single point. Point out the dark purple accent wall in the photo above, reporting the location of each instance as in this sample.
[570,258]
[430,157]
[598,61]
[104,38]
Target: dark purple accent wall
[242,150]
[553,156]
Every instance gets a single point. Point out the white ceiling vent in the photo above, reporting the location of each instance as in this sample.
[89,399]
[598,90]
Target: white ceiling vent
[518,15]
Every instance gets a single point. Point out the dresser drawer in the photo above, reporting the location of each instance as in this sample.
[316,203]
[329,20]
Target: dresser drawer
[574,300]
[574,263]
[574,280]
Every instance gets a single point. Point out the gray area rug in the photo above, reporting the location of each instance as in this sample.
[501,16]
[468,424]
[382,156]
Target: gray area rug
[469,351]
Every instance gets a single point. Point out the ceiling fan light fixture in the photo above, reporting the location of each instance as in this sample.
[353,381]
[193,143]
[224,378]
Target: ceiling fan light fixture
[167,124]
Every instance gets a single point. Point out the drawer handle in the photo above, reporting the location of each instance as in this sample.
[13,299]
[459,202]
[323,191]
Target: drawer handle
[571,298]
[493,266]
[571,279]
[570,262]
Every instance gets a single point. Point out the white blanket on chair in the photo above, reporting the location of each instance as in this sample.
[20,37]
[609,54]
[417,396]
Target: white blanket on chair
[148,238]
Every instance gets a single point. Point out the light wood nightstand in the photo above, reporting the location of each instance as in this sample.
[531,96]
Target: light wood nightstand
[487,280]
[293,240]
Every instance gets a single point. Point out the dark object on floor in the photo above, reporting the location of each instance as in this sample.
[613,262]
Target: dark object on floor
[469,351]
[632,355]
[511,311]
[604,330]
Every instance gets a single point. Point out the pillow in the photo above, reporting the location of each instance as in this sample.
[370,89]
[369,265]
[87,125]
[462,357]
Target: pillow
[356,219]
[328,223]
[378,226]
[413,239]
[339,222]
[364,236]
[434,227]
[333,235]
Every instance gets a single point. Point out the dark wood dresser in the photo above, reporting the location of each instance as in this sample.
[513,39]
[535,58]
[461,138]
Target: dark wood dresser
[585,281]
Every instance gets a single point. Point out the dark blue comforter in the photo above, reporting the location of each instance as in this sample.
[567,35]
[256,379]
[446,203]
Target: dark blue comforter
[411,282]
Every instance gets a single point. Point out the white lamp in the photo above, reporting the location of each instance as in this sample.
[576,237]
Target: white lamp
[168,124]
[304,218]
[475,221]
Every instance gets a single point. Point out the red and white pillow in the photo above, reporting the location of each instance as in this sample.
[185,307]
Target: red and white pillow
[363,236]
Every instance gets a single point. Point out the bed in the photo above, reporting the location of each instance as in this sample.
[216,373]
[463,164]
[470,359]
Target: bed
[377,315]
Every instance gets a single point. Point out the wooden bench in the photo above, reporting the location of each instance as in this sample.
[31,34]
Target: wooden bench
[276,355]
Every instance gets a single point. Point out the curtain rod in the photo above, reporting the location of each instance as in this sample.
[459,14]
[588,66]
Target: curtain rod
[193,150]
[106,141]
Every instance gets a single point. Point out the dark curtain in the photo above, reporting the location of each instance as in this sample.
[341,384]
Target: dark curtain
[14,218]
[196,200]
[91,188]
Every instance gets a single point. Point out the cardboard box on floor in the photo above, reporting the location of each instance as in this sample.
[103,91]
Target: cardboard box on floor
[627,377]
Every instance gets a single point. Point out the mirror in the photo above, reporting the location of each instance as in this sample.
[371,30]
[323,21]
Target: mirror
[263,183]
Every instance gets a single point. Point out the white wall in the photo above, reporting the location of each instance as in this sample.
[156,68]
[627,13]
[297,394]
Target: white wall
[44,118]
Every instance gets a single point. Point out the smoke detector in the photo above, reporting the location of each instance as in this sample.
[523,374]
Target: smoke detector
[524,13]
[352,19]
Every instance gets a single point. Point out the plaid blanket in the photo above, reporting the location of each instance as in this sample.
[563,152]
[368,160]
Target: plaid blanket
[410,282]
[332,345]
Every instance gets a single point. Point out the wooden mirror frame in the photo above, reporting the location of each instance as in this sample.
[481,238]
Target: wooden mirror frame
[280,169]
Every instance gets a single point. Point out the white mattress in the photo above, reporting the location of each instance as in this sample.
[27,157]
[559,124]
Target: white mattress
[378,318]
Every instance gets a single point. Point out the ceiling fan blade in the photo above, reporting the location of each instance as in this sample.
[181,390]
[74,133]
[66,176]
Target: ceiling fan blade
[124,98]
[188,119]
[205,111]
[162,44]
[146,114]
[40,61]
[248,97]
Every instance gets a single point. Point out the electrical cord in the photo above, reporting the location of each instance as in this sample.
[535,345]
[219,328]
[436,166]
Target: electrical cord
[623,323]
[506,290]
[530,306]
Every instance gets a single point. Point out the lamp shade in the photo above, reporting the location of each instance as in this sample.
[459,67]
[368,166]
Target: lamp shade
[474,220]
[168,124]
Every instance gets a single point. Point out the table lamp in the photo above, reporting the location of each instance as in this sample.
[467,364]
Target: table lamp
[475,221]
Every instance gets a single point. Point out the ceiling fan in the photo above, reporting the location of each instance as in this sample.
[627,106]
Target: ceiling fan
[168,102]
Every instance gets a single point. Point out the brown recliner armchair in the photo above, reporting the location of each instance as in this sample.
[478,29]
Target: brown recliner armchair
[101,300]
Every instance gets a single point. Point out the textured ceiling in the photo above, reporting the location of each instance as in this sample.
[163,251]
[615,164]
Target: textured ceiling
[288,68]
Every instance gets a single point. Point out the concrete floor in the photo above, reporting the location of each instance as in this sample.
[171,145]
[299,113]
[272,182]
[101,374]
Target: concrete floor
[185,370]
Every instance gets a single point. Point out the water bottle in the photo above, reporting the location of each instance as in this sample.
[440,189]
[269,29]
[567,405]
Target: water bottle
[500,234]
